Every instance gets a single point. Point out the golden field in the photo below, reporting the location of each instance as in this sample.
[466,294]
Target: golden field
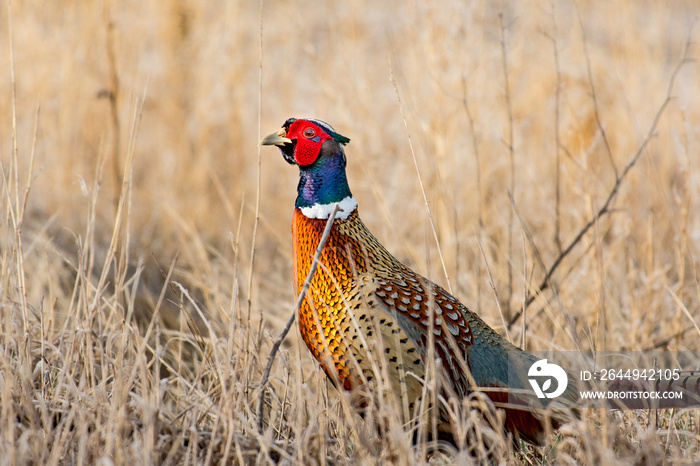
[145,249]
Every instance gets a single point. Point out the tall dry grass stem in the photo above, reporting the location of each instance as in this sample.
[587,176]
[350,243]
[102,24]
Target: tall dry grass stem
[420,182]
[295,311]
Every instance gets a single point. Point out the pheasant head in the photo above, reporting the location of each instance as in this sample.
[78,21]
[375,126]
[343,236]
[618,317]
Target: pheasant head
[318,151]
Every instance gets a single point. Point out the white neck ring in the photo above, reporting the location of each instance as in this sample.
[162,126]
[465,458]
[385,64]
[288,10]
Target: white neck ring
[323,211]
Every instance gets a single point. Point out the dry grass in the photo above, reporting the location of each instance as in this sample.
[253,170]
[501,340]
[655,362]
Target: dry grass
[105,193]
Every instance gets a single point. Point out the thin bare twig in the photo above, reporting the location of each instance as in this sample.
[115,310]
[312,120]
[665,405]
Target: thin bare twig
[594,97]
[15,213]
[506,328]
[528,235]
[290,322]
[528,281]
[251,265]
[667,340]
[475,148]
[683,307]
[420,182]
[538,257]
[30,171]
[113,95]
[479,195]
[557,137]
[511,154]
[606,207]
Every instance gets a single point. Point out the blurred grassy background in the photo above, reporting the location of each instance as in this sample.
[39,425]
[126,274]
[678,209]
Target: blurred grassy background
[168,92]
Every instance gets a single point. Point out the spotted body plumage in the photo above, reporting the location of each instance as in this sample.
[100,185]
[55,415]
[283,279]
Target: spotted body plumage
[359,288]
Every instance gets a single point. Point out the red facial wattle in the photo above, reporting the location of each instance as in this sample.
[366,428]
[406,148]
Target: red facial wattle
[309,138]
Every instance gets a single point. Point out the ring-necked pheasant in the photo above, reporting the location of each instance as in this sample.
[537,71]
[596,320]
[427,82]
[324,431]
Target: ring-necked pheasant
[362,292]
[362,302]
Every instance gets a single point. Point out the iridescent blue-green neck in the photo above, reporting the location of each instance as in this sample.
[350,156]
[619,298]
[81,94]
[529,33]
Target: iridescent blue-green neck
[323,183]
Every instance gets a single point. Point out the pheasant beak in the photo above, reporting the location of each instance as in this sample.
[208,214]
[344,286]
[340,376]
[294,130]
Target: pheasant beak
[276,139]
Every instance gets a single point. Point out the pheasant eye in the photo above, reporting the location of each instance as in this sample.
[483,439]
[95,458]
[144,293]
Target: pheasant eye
[309,133]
